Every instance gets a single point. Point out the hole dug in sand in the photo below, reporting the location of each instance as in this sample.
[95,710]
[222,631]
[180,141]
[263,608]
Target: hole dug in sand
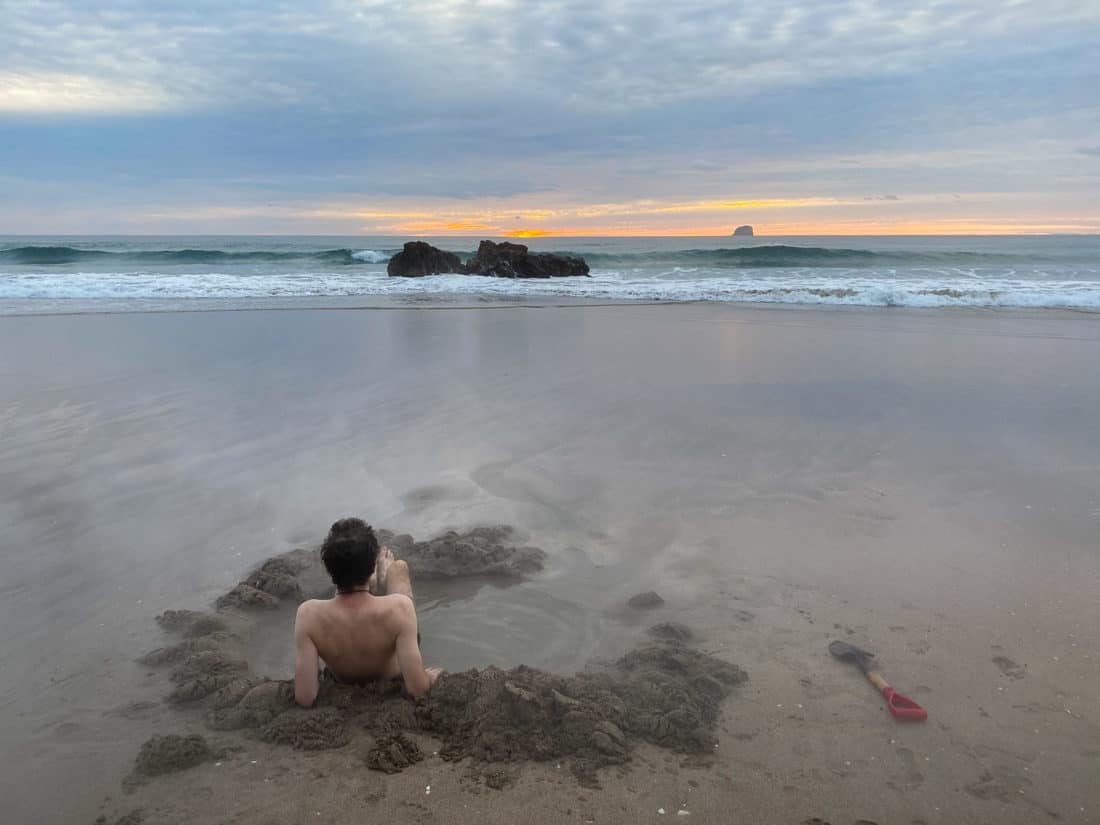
[662,692]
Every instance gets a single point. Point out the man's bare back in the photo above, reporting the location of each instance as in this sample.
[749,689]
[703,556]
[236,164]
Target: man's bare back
[362,636]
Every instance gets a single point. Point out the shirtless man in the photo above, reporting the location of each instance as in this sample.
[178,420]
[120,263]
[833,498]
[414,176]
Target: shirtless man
[360,635]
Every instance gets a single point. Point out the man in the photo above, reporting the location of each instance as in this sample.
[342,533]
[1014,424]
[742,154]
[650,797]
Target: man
[360,635]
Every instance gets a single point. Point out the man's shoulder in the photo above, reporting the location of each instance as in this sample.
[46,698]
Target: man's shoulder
[397,604]
[311,608]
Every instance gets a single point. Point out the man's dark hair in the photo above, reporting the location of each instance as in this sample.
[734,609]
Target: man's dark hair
[349,553]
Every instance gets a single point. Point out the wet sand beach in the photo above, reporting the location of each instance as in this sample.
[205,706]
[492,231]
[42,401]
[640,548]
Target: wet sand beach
[925,484]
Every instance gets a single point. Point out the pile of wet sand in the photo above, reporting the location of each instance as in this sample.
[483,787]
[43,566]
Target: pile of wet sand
[663,692]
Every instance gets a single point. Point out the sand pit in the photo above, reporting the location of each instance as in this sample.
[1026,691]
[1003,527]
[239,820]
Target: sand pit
[663,692]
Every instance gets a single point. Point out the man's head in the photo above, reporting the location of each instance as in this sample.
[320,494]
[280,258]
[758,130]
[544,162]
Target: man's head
[349,553]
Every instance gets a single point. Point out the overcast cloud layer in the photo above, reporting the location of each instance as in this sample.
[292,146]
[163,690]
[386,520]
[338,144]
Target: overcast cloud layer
[485,117]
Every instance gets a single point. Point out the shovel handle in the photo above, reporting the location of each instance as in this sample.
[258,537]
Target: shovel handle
[877,680]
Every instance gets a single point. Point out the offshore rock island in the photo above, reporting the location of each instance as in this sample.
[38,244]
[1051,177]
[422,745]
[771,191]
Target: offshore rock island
[500,260]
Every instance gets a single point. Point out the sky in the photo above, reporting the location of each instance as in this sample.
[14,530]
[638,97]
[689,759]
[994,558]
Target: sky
[532,117]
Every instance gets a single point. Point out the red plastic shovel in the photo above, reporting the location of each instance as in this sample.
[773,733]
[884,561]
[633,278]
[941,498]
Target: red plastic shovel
[901,707]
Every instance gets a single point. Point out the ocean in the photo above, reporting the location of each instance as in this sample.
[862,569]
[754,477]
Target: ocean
[100,273]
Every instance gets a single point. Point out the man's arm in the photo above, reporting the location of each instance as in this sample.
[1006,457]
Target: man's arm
[305,661]
[418,681]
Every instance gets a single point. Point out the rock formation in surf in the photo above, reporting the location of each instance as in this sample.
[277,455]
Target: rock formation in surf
[418,259]
[500,260]
[513,260]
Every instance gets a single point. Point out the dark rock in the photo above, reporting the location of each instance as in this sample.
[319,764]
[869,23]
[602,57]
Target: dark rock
[418,259]
[513,260]
[645,601]
[743,230]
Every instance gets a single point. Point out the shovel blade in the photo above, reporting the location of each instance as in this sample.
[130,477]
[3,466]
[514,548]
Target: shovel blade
[850,653]
[902,707]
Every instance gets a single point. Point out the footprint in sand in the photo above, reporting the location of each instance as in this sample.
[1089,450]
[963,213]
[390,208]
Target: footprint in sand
[920,647]
[744,615]
[811,690]
[913,777]
[1006,787]
[1010,668]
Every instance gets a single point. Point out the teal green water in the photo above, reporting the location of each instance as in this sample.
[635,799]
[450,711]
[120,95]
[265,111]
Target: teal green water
[119,273]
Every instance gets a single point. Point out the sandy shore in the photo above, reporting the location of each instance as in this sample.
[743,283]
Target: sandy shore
[925,484]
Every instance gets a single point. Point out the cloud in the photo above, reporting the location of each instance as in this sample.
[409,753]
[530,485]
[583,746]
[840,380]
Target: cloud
[172,104]
[577,54]
[1090,150]
[60,93]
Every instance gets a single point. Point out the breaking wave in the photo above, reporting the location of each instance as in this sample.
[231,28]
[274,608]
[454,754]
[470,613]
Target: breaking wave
[60,255]
[851,287]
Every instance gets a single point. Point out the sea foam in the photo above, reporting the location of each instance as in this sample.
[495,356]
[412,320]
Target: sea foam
[847,288]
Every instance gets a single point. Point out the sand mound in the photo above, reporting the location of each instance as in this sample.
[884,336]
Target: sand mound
[173,653]
[671,631]
[391,754]
[135,817]
[247,704]
[664,694]
[198,675]
[171,753]
[191,623]
[270,583]
[483,551]
[308,730]
[645,601]
[246,597]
